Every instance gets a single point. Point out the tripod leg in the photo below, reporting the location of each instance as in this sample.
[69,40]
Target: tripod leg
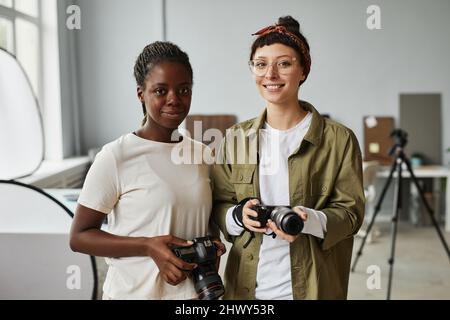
[377,209]
[428,209]
[395,215]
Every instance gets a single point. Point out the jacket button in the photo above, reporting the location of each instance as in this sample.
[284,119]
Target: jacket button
[324,189]
[241,177]
[250,256]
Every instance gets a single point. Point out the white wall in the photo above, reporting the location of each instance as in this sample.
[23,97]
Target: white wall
[69,82]
[113,33]
[355,71]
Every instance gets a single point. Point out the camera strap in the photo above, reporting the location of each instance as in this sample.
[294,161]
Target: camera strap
[237,212]
[237,217]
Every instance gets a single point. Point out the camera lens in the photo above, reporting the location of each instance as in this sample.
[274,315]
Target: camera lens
[287,220]
[208,283]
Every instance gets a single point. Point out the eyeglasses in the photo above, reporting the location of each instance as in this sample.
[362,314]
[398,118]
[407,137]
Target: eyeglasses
[284,66]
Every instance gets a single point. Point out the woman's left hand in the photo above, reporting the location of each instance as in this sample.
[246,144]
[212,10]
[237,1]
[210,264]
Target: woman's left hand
[290,238]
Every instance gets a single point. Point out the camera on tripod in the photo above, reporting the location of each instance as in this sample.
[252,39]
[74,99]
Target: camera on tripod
[400,138]
[284,218]
[207,281]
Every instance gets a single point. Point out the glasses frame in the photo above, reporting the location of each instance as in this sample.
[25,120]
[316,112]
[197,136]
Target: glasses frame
[272,64]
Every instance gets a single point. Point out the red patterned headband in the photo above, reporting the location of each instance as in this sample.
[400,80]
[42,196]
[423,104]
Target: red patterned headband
[296,39]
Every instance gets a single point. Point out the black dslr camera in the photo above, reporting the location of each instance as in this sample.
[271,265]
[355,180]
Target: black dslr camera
[401,139]
[207,281]
[284,218]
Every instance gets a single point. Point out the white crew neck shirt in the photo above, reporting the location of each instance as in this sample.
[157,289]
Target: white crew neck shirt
[137,183]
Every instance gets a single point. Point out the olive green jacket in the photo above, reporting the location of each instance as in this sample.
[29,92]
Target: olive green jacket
[325,173]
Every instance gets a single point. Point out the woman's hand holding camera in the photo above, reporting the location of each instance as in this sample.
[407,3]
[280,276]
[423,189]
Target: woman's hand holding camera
[290,238]
[249,223]
[173,269]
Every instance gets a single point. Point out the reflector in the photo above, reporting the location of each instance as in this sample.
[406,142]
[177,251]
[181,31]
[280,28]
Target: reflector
[37,262]
[21,132]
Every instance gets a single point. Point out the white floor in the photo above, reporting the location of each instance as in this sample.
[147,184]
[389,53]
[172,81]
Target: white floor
[421,265]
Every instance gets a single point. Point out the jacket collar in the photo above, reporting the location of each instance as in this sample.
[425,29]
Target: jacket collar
[315,132]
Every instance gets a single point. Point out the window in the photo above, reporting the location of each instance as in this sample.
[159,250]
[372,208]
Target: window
[20,34]
[6,3]
[6,35]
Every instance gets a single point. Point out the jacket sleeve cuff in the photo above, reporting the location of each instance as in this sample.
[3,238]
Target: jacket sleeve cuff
[316,224]
[233,228]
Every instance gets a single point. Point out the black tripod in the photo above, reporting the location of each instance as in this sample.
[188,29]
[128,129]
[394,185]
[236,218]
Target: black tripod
[400,158]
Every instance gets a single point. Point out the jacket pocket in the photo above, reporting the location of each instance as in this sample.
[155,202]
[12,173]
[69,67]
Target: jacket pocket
[318,193]
[242,180]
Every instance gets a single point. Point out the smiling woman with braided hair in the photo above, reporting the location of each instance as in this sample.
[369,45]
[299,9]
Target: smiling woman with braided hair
[304,161]
[151,202]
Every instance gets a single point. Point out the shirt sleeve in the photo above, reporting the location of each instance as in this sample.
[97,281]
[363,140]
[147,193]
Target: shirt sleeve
[316,224]
[101,187]
[232,227]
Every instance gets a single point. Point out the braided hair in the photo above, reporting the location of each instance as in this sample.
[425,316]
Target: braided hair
[153,54]
[291,37]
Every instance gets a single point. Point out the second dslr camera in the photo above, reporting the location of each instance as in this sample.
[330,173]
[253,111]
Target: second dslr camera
[284,218]
[207,281]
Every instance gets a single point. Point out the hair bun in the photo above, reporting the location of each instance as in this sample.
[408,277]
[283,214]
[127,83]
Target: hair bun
[289,23]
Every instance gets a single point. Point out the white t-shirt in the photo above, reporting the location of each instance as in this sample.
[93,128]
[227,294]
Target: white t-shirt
[273,277]
[146,194]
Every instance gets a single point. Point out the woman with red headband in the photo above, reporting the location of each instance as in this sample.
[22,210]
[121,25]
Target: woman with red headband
[289,156]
